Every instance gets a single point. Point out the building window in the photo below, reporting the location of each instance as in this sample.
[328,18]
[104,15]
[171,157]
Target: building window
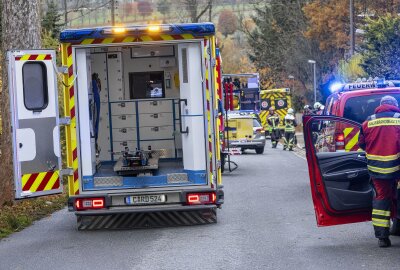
[34,76]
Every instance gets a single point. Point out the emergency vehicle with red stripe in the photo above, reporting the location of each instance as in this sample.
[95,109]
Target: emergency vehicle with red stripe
[340,184]
[141,123]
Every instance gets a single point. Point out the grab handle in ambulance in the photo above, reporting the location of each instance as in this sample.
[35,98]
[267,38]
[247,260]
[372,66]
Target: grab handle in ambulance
[180,117]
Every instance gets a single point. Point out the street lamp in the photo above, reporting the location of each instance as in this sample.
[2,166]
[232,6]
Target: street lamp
[291,77]
[313,62]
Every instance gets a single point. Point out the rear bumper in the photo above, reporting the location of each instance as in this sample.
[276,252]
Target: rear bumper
[248,145]
[142,209]
[180,203]
[155,219]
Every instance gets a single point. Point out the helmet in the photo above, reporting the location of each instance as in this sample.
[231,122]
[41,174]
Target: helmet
[307,107]
[271,109]
[290,111]
[317,105]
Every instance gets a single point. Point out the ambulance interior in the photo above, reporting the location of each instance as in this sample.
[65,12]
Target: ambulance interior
[145,123]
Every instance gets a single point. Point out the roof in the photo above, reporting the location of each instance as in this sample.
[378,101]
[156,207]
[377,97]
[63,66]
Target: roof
[278,90]
[197,30]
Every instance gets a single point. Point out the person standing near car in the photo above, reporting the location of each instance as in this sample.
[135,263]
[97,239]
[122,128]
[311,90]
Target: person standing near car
[273,126]
[290,125]
[379,137]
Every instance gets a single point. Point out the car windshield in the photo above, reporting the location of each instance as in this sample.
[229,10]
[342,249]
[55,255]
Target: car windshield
[256,123]
[359,108]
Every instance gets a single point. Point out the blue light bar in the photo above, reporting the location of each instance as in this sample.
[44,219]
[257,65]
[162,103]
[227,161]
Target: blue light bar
[78,35]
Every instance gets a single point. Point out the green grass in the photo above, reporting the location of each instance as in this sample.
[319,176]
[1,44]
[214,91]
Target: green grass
[16,217]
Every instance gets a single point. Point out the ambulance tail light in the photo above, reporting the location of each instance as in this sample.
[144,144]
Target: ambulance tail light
[201,198]
[339,141]
[89,203]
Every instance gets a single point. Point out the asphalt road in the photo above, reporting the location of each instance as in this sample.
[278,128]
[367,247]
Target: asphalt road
[267,222]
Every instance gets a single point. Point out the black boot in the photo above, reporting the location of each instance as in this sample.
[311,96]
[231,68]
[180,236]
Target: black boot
[384,242]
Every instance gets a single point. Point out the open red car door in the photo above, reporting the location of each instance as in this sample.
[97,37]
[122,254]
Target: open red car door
[340,185]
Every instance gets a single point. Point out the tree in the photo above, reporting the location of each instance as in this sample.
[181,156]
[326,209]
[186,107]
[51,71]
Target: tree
[51,20]
[164,7]
[351,70]
[278,45]
[227,22]
[196,9]
[144,8]
[21,29]
[329,24]
[381,48]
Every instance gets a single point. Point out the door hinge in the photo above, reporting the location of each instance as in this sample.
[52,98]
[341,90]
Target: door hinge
[65,121]
[67,171]
[62,69]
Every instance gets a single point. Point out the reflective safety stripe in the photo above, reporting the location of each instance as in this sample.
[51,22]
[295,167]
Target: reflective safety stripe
[383,170]
[381,222]
[381,212]
[351,139]
[390,121]
[383,158]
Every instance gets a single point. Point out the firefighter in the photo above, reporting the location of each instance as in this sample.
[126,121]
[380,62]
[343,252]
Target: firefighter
[379,138]
[318,108]
[290,125]
[273,126]
[307,110]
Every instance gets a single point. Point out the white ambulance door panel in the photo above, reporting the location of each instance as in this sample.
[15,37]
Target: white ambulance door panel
[191,105]
[35,122]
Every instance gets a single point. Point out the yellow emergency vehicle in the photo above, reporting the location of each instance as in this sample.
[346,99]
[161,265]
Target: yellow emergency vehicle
[280,99]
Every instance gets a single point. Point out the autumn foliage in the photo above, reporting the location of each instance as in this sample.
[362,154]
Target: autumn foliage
[328,23]
[227,22]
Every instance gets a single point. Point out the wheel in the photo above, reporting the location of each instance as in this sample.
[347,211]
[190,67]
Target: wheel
[395,227]
[260,150]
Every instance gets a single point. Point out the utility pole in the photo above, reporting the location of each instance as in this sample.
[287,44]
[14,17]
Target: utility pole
[314,63]
[352,37]
[65,12]
[112,12]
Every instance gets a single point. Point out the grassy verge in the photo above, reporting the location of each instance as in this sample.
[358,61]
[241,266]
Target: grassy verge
[22,214]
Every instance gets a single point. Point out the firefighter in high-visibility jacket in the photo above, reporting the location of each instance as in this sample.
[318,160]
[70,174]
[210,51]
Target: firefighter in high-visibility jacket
[379,137]
[290,125]
[273,126]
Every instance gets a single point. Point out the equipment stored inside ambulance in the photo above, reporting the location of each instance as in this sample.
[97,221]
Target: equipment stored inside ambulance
[141,125]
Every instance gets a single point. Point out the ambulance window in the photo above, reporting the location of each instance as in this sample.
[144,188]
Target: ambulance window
[34,76]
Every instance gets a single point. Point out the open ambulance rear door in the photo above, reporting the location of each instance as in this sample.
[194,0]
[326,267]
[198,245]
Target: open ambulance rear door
[340,184]
[35,123]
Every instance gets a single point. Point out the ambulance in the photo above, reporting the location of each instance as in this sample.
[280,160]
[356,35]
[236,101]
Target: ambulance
[140,121]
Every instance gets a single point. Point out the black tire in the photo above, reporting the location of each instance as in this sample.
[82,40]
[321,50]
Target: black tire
[395,227]
[260,150]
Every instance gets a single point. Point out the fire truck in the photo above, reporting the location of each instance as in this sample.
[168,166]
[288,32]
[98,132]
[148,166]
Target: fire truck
[280,99]
[141,124]
[242,91]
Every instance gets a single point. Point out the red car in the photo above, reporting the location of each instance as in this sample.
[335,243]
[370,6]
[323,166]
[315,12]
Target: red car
[340,184]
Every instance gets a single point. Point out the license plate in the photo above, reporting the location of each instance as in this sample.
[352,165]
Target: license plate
[146,199]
